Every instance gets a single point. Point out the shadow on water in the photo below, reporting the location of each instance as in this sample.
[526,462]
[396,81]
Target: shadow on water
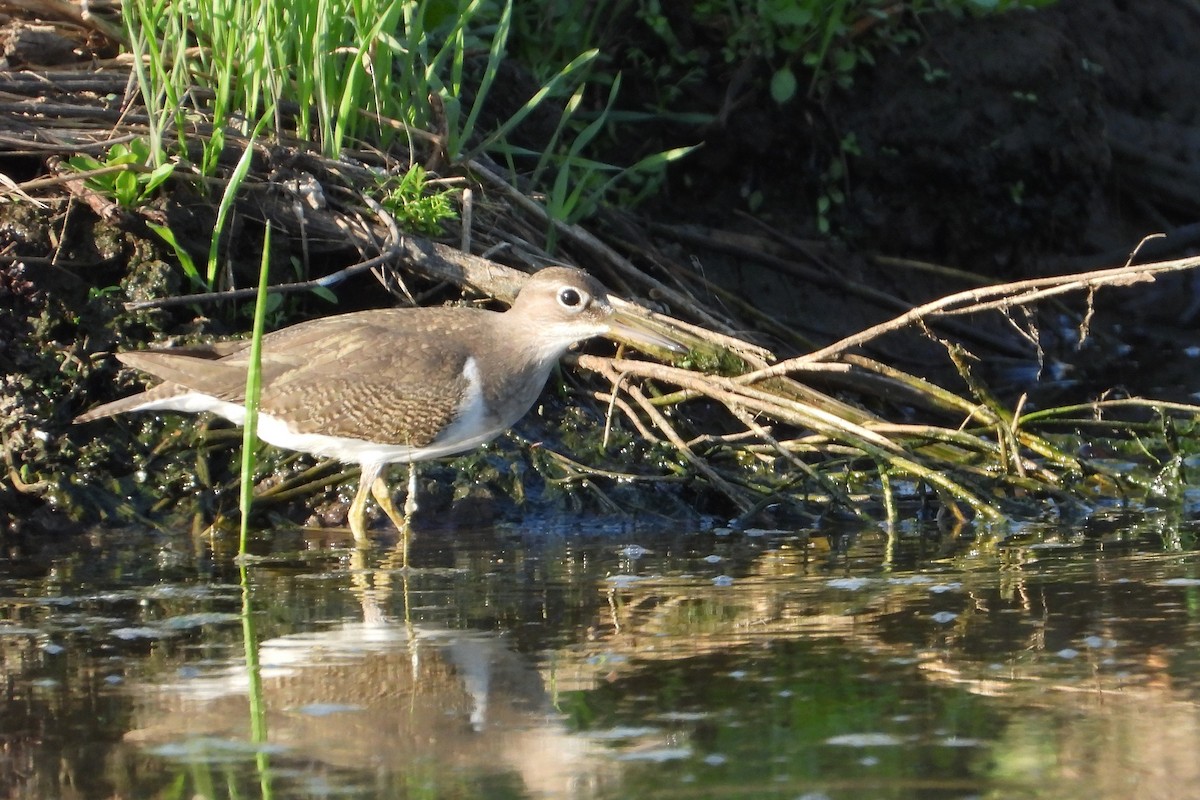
[1051,663]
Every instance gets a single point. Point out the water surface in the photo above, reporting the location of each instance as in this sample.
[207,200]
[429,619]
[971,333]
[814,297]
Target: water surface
[609,663]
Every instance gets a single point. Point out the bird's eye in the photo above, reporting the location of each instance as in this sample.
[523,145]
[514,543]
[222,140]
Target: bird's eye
[571,298]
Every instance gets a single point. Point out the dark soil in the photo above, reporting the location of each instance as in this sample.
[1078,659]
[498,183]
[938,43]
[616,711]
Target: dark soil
[1029,143]
[1007,146]
[997,144]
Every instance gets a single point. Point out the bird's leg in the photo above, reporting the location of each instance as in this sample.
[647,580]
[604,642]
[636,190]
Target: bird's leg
[379,488]
[384,498]
[358,508]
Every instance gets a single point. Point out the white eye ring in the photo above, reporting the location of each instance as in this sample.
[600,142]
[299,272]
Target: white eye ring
[572,299]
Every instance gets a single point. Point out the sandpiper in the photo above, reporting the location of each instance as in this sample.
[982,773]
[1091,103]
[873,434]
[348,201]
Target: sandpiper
[396,385]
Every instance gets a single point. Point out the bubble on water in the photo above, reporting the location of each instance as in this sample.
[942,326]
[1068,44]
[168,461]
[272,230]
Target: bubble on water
[129,634]
[864,740]
[657,755]
[849,584]
[1100,642]
[960,741]
[621,732]
[326,709]
[1180,582]
[909,580]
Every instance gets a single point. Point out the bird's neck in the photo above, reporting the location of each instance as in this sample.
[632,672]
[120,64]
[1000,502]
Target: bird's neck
[517,370]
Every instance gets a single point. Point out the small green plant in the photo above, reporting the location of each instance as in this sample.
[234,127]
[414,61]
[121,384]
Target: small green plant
[815,33]
[832,180]
[124,174]
[830,39]
[1016,191]
[414,205]
[932,74]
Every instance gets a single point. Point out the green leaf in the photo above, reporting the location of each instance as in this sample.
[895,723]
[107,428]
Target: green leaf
[792,14]
[156,178]
[84,162]
[325,294]
[783,85]
[845,60]
[126,187]
[230,195]
[185,259]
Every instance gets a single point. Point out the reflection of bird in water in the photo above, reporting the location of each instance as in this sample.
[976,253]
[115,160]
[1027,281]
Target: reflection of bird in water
[382,697]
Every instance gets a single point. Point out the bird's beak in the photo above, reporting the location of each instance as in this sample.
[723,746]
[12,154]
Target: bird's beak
[637,330]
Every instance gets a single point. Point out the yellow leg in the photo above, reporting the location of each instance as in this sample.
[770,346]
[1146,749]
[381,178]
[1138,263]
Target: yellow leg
[384,498]
[358,508]
[379,488]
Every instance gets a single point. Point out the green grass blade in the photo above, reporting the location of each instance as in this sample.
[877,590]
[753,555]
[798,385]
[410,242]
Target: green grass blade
[185,258]
[495,57]
[253,389]
[230,195]
[533,102]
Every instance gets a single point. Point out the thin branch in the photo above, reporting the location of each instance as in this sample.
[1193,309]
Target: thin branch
[974,300]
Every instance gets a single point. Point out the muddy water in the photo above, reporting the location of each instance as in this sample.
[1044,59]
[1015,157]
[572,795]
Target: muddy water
[608,664]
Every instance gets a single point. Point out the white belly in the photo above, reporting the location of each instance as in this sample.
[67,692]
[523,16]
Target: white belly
[469,429]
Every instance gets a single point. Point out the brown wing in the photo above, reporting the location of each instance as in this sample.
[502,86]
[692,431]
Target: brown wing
[405,412]
[377,375]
